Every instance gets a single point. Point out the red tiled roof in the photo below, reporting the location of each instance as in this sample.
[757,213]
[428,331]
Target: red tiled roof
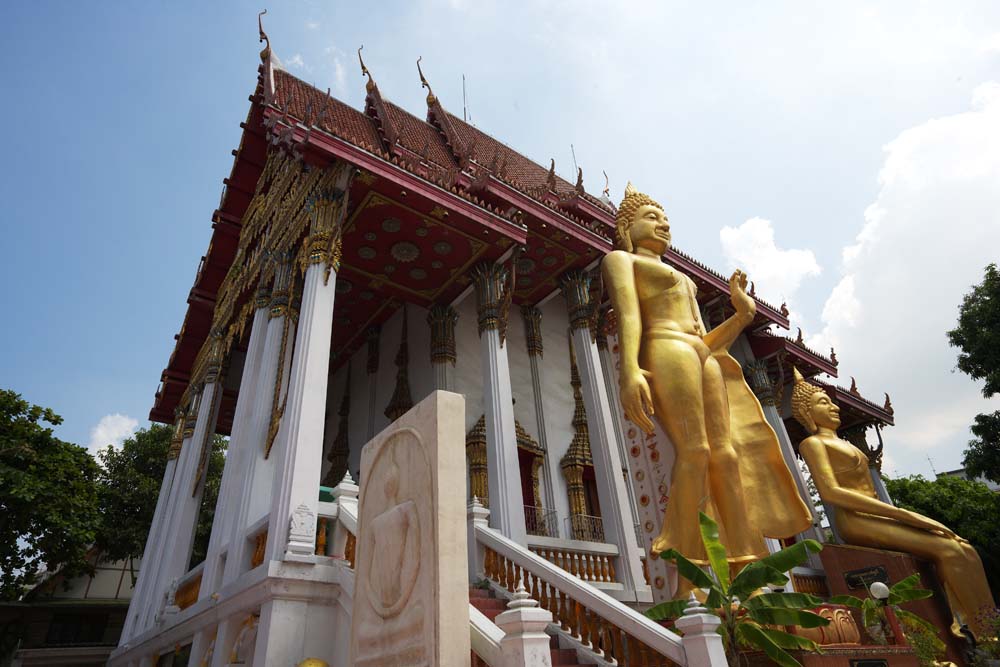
[417,135]
[338,118]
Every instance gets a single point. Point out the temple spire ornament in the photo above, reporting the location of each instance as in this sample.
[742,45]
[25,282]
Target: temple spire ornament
[370,86]
[431,99]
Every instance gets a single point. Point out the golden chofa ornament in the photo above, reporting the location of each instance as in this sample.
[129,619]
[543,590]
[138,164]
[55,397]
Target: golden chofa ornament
[673,371]
[842,477]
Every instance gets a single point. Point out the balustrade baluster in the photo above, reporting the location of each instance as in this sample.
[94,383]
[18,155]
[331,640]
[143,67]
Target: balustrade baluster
[563,611]
[611,570]
[616,634]
[534,585]
[543,596]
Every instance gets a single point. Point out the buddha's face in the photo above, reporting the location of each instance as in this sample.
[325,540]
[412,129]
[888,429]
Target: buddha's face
[650,229]
[823,411]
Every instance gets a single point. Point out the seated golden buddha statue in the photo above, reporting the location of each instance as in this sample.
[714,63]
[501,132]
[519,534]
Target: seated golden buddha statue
[727,457]
[840,471]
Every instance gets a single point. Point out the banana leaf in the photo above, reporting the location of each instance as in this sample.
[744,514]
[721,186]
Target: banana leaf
[754,576]
[715,550]
[753,635]
[667,610]
[687,569]
[779,616]
[783,600]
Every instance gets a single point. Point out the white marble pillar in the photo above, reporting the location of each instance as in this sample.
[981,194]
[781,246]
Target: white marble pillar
[255,488]
[441,320]
[154,542]
[227,507]
[533,336]
[502,470]
[615,402]
[299,450]
[615,514]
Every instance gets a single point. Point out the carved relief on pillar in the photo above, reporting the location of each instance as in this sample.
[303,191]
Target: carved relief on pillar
[583,294]
[494,290]
[401,400]
[475,453]
[371,364]
[442,320]
[340,451]
[191,416]
[760,381]
[281,289]
[533,330]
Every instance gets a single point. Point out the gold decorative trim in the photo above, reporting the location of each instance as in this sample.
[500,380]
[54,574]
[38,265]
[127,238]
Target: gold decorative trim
[442,320]
[533,330]
[340,450]
[401,400]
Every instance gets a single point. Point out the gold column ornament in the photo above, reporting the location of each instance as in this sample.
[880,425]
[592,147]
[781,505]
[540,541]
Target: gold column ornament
[328,208]
[578,455]
[533,330]
[281,306]
[177,441]
[401,400]
[671,368]
[475,452]
[840,471]
[575,287]
[442,320]
[340,450]
[601,329]
[191,417]
[494,290]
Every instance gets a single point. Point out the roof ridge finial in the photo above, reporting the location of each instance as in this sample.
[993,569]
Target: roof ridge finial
[364,71]
[266,53]
[550,180]
[431,99]
[579,180]
[607,186]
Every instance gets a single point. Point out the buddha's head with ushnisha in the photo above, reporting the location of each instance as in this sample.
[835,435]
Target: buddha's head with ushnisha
[811,406]
[636,207]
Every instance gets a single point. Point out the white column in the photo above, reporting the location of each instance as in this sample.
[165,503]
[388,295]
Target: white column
[502,471]
[617,418]
[299,449]
[533,335]
[703,645]
[441,320]
[227,507]
[255,489]
[154,544]
[615,515]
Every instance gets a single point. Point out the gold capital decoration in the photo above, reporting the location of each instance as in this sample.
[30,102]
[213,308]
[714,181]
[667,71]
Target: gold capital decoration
[328,208]
[401,400]
[533,330]
[581,304]
[442,320]
[340,451]
[493,294]
[760,381]
[281,306]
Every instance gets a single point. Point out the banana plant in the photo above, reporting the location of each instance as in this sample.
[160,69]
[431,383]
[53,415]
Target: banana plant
[750,615]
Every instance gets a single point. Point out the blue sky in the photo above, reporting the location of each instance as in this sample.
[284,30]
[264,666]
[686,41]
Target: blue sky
[847,155]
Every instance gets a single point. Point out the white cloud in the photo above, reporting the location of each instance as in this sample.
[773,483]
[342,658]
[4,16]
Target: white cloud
[339,75]
[925,241]
[777,273]
[112,430]
[296,61]
[312,25]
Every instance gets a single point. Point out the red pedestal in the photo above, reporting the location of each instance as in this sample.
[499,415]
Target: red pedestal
[848,568]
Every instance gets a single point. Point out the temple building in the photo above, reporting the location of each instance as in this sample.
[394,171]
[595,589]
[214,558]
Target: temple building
[359,261]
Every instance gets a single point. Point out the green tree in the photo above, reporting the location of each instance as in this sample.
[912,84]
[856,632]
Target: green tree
[48,498]
[969,508]
[129,485]
[977,335]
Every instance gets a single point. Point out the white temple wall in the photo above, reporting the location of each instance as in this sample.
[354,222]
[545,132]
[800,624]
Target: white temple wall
[520,373]
[468,368]
[358,422]
[557,397]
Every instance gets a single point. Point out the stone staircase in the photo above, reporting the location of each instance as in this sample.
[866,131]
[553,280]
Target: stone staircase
[491,607]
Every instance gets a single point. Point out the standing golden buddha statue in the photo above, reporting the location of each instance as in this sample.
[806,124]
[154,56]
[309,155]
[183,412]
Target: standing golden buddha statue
[840,471]
[727,455]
